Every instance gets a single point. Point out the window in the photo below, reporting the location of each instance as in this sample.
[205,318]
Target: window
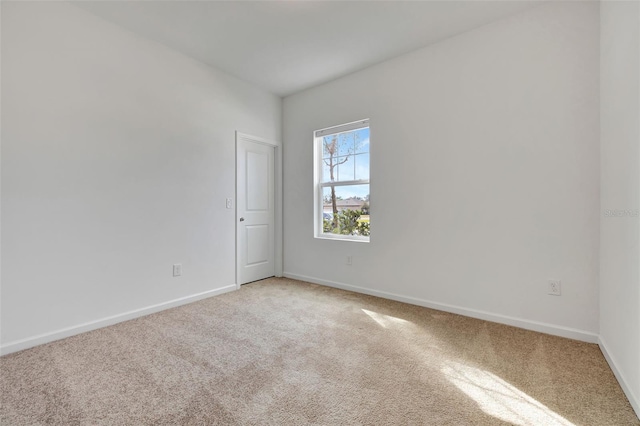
[342,182]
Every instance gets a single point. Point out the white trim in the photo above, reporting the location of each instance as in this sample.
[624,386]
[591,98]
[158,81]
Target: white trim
[541,327]
[340,237]
[256,139]
[278,200]
[279,225]
[104,322]
[318,186]
[633,399]
[344,182]
[343,128]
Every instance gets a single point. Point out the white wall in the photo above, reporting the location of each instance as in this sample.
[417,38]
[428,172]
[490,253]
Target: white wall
[492,139]
[117,156]
[620,192]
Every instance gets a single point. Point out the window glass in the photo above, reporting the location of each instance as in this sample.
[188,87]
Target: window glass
[343,186]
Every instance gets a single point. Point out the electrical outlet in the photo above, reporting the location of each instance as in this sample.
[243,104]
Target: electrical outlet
[555,288]
[349,260]
[177,269]
[229,203]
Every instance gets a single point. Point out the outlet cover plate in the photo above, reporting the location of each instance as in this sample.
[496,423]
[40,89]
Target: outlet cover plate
[555,288]
[177,269]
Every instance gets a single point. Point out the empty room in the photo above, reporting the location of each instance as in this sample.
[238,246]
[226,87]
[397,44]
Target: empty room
[320,212]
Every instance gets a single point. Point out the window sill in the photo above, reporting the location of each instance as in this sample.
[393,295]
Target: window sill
[351,238]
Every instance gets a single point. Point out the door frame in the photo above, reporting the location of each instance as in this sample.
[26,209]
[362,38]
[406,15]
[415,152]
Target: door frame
[277,202]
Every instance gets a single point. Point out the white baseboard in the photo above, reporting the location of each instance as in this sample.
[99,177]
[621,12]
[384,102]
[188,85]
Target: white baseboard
[541,327]
[633,399]
[104,322]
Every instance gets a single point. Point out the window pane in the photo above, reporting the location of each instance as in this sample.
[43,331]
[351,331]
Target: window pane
[350,214]
[339,153]
[329,145]
[346,168]
[362,166]
[362,141]
[346,143]
[326,170]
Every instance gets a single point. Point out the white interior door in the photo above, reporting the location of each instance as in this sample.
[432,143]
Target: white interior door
[255,213]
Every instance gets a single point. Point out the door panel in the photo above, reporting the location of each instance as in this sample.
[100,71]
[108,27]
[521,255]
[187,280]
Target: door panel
[257,186]
[257,244]
[255,210]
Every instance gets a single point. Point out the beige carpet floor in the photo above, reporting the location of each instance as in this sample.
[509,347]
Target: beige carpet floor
[283,352]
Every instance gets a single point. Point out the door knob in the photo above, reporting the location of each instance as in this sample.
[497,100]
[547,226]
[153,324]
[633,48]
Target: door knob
[242,219]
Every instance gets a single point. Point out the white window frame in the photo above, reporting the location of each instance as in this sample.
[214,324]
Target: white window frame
[318,206]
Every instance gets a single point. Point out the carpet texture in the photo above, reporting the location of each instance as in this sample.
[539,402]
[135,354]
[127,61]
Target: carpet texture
[283,352]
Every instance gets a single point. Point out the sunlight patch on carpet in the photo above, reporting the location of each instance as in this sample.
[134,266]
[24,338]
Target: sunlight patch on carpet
[501,399]
[385,320]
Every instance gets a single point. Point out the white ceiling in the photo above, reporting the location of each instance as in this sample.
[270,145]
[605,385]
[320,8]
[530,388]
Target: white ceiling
[288,46]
